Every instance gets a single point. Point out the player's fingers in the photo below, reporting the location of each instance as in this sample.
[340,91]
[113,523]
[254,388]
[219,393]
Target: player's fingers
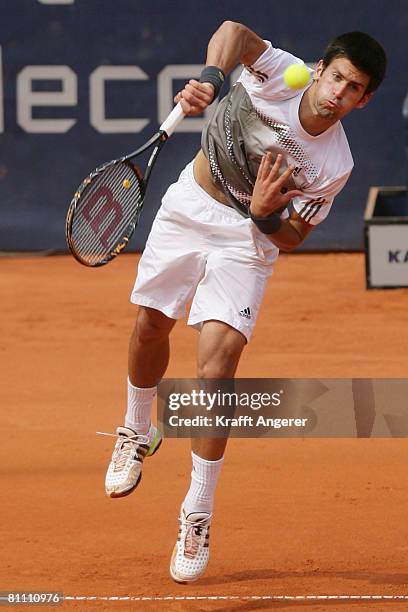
[193,100]
[185,105]
[190,104]
[289,195]
[274,170]
[198,94]
[266,166]
[285,175]
[259,174]
[203,91]
[190,110]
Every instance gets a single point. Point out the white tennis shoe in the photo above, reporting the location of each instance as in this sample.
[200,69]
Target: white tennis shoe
[125,469]
[191,552]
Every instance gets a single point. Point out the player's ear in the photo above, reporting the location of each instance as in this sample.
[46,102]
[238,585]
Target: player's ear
[364,100]
[318,70]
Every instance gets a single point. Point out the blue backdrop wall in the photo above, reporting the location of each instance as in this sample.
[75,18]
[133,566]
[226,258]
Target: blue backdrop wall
[82,81]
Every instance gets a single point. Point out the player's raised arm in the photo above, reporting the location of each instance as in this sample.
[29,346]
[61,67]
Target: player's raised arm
[231,44]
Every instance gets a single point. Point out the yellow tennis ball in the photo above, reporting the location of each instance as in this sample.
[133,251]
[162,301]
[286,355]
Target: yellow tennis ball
[126,183]
[296,76]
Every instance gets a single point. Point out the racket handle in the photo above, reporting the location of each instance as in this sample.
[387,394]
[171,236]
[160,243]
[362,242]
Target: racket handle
[172,121]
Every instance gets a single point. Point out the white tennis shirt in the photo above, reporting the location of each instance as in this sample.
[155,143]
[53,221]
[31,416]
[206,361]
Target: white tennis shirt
[324,162]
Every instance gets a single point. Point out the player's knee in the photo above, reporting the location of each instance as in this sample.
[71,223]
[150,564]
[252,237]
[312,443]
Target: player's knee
[206,370]
[218,366]
[151,326]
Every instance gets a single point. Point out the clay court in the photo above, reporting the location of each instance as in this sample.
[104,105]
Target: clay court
[292,517]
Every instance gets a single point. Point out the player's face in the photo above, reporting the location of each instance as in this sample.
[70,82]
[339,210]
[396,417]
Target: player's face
[340,87]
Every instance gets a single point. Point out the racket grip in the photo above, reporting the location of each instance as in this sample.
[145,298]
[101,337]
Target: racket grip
[172,121]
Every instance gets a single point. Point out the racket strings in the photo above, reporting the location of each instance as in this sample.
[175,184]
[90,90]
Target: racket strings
[105,213]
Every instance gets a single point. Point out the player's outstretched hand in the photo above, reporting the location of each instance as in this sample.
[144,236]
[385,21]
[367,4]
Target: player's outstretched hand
[267,196]
[195,97]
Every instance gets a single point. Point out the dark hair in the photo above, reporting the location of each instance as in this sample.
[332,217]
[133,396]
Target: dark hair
[364,53]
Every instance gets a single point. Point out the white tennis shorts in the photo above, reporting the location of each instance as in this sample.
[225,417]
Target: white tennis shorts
[203,251]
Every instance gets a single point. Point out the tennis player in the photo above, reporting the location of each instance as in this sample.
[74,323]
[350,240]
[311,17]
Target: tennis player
[271,163]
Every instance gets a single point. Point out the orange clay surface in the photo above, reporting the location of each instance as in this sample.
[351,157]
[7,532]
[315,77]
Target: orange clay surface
[292,517]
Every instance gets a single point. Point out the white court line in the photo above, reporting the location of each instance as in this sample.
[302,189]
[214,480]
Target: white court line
[238,598]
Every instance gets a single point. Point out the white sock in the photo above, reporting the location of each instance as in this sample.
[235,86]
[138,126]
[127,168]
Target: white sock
[139,409]
[204,477]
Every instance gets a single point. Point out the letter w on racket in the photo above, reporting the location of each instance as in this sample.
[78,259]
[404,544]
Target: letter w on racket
[111,210]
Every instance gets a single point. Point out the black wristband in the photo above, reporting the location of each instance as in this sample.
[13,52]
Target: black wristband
[267,225]
[215,76]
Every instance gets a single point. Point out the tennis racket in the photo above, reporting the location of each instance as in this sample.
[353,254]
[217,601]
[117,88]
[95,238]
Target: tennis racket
[105,209]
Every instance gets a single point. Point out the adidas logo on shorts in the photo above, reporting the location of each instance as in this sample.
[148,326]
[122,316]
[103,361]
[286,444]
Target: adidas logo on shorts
[245,312]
